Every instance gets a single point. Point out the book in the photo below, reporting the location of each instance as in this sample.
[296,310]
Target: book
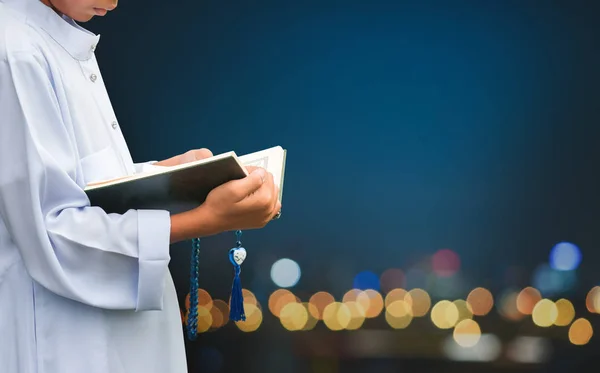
[182,187]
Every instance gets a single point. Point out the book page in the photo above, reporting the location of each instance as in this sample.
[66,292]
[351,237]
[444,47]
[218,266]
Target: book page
[271,160]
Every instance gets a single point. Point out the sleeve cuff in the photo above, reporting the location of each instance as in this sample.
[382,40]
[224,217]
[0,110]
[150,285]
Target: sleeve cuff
[154,231]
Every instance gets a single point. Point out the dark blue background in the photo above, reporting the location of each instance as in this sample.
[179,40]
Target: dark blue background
[410,126]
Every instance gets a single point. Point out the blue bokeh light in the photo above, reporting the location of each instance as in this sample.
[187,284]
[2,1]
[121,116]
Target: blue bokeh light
[552,282]
[366,280]
[565,256]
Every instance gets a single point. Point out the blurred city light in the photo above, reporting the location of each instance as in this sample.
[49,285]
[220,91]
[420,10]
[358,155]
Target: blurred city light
[592,300]
[374,301]
[580,332]
[487,349]
[320,300]
[390,279]
[565,256]
[293,316]
[464,310]
[480,301]
[545,313]
[279,299]
[366,280]
[421,302]
[551,282]
[527,299]
[467,333]
[566,312]
[398,314]
[337,316]
[445,263]
[254,318]
[507,306]
[528,350]
[444,314]
[285,273]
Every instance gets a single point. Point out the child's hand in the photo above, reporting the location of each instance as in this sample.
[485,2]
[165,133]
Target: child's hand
[248,203]
[244,204]
[189,156]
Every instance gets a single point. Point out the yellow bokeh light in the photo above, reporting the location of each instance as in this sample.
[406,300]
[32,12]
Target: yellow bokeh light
[320,300]
[544,313]
[508,307]
[311,311]
[279,299]
[464,310]
[420,302]
[337,316]
[204,299]
[444,314]
[480,301]
[249,297]
[357,315]
[566,312]
[293,316]
[527,299]
[204,319]
[397,294]
[592,300]
[375,302]
[467,333]
[351,295]
[254,318]
[580,332]
[399,314]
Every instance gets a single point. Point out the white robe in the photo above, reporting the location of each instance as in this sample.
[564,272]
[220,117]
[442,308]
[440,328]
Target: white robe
[81,291]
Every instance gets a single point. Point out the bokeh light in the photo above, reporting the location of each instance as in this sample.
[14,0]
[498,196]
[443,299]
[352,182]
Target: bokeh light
[444,314]
[357,315]
[249,297]
[254,318]
[580,332]
[421,302]
[592,300]
[467,333]
[204,299]
[507,306]
[551,282]
[445,263]
[544,313]
[204,319]
[312,320]
[220,313]
[366,280]
[279,299]
[293,316]
[566,312]
[285,273]
[565,256]
[527,299]
[398,314]
[374,300]
[480,301]
[336,316]
[320,300]
[390,279]
[397,294]
[464,310]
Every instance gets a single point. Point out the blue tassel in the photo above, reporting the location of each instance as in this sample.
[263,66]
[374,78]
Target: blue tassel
[237,255]
[236,308]
[192,312]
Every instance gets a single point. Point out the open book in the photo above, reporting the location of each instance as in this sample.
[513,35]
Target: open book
[182,187]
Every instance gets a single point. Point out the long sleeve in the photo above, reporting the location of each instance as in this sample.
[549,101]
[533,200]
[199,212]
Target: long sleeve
[71,248]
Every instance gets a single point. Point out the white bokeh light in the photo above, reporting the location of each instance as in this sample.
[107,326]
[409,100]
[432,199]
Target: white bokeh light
[285,273]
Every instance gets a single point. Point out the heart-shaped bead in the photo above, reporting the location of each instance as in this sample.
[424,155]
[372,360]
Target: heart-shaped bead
[239,255]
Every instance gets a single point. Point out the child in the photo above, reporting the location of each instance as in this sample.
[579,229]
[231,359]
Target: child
[82,291]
